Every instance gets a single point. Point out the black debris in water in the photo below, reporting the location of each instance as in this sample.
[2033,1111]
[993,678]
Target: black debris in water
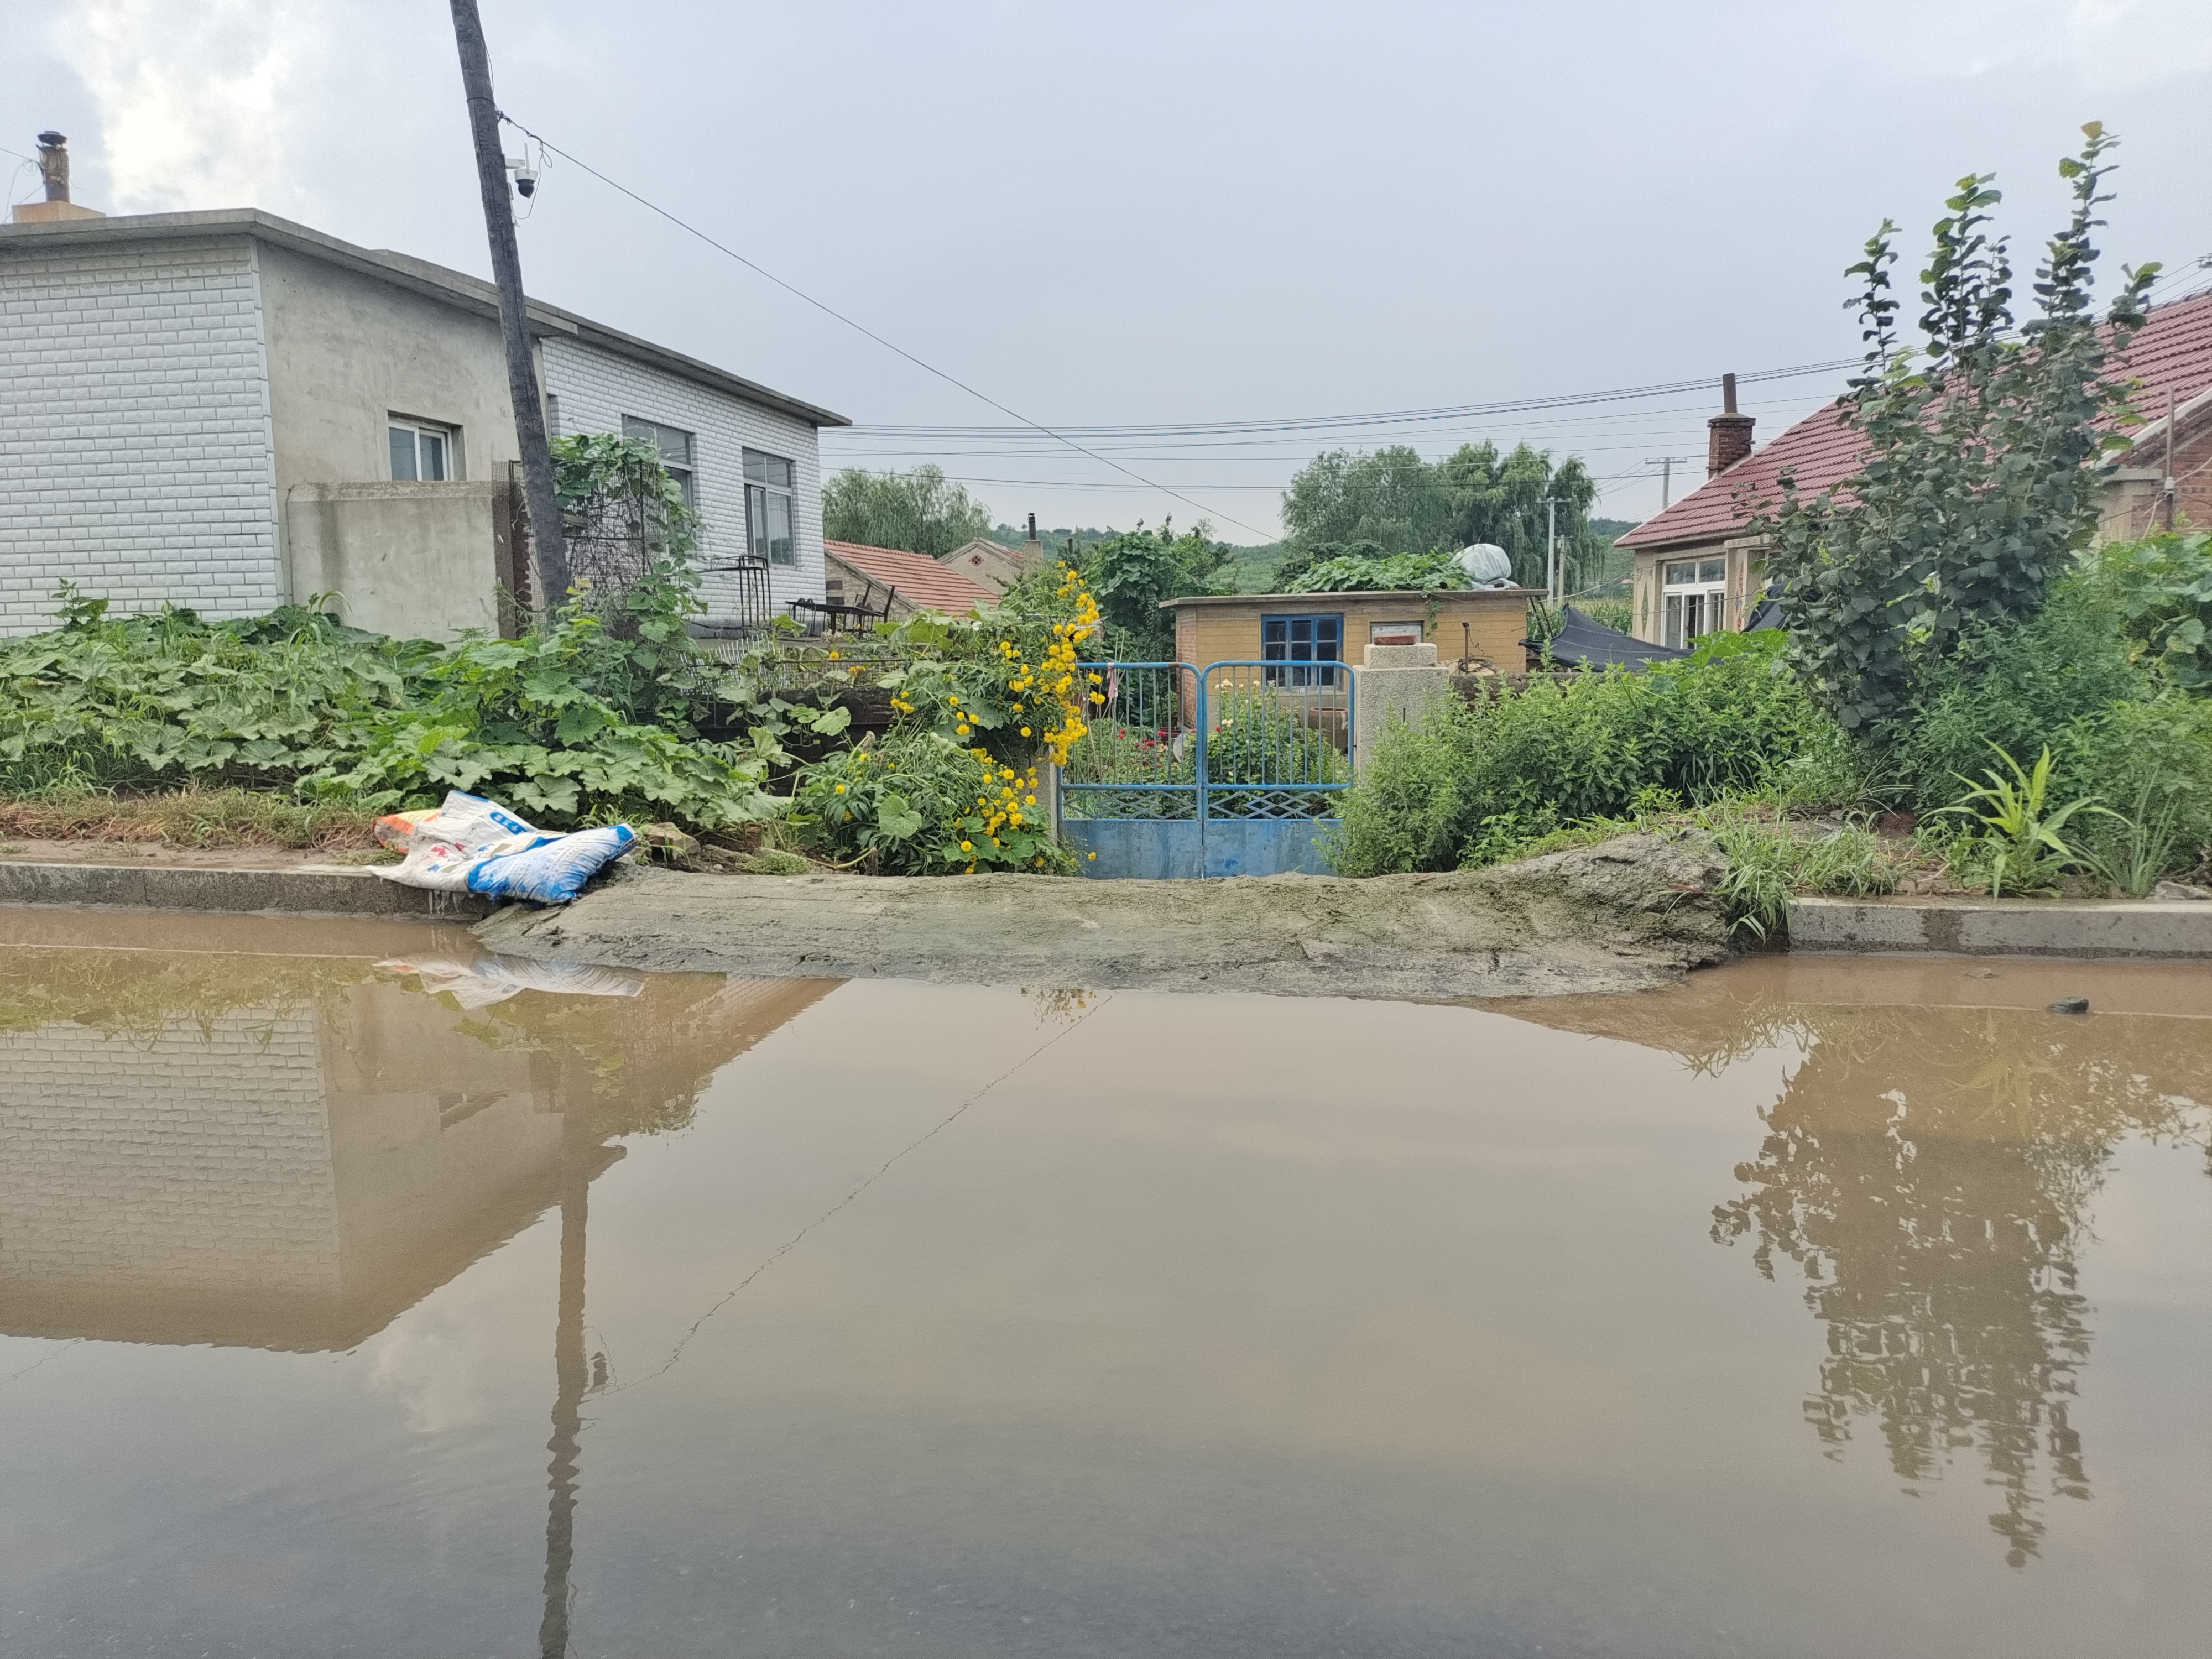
[2070,1005]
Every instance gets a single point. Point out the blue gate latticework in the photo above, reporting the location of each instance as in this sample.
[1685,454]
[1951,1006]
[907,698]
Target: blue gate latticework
[1237,768]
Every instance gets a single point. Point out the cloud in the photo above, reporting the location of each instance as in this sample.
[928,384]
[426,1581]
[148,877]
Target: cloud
[203,106]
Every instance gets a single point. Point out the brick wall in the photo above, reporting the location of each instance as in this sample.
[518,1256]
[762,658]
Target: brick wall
[191,1162]
[593,389]
[135,447]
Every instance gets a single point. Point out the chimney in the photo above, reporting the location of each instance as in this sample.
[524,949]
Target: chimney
[1727,434]
[1033,549]
[53,167]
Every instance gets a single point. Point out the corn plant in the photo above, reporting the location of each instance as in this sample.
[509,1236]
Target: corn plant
[2019,825]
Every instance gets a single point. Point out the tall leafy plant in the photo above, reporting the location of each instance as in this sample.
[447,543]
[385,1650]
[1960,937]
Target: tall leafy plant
[1980,447]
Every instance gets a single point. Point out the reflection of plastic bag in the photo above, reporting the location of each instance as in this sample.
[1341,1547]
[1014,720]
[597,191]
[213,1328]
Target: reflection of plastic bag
[488,979]
[555,870]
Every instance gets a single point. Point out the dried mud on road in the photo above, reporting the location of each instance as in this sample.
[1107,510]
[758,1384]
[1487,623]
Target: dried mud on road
[1623,915]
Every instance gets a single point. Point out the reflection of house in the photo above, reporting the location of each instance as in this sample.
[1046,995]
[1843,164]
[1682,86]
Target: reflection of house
[227,410]
[867,576]
[296,1173]
[285,1179]
[1698,564]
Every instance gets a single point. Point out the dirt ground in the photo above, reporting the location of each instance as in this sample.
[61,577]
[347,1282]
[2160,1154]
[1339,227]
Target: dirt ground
[1624,915]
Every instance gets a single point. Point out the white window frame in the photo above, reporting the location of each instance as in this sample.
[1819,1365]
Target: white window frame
[446,440]
[680,451]
[762,491]
[1694,599]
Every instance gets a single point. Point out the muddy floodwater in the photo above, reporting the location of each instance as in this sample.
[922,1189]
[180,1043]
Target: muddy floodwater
[363,1295]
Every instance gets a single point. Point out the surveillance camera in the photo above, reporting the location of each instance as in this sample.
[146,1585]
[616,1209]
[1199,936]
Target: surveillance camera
[525,181]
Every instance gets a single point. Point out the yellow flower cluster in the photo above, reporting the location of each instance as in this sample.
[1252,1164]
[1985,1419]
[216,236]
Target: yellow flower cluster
[1048,688]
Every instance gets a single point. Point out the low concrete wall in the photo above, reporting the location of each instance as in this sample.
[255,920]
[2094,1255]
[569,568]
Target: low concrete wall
[331,890]
[2023,927]
[421,561]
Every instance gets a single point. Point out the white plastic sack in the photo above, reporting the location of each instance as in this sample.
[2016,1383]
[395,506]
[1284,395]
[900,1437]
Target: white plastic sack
[554,870]
[463,832]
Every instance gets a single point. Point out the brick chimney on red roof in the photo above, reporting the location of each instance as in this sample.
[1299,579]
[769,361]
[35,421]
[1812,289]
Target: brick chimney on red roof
[1727,434]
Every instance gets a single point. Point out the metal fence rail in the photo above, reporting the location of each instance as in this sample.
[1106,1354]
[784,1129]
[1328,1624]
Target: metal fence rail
[1237,768]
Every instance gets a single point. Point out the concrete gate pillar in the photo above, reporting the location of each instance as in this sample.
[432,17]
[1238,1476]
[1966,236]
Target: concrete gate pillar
[1396,682]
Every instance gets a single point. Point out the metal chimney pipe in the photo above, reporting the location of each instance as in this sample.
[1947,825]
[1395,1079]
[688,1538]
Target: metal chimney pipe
[53,165]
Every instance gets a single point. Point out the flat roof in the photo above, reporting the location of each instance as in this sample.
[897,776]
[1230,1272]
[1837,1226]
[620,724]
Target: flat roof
[1423,593]
[403,270]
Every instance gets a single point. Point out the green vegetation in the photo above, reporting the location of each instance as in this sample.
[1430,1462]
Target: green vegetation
[190,818]
[1363,572]
[1474,782]
[1390,502]
[1131,574]
[1979,478]
[921,511]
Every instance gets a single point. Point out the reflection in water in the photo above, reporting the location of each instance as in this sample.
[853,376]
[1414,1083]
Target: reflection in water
[290,1151]
[1929,1172]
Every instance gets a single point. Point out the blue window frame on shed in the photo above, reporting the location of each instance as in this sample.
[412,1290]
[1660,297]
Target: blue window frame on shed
[1311,639]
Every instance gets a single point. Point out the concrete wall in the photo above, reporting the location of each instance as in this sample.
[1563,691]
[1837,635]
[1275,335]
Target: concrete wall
[591,389]
[346,352]
[415,560]
[135,448]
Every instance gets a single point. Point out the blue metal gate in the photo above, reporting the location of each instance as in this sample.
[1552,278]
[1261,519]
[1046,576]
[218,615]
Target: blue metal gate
[1235,769]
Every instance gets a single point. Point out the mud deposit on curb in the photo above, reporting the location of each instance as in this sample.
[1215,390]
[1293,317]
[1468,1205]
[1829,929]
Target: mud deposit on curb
[1631,913]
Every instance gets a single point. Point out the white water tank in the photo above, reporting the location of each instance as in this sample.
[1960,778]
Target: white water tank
[1486,565]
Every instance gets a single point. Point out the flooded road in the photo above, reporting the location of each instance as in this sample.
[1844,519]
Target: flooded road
[362,1295]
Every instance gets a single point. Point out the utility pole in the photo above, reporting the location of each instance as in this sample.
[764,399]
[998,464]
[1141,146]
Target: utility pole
[1551,549]
[549,553]
[1666,465]
[2167,487]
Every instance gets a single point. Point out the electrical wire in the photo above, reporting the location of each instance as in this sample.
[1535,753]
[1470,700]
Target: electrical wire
[831,310]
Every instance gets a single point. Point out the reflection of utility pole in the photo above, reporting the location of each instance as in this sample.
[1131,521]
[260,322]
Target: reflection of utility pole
[1666,465]
[577,1146]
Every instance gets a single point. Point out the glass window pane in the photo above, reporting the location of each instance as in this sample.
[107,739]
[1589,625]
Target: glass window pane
[402,453]
[433,447]
[756,520]
[685,483]
[1328,638]
[781,548]
[1678,573]
[1713,570]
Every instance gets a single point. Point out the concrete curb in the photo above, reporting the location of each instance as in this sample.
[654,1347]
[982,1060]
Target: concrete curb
[310,890]
[2004,928]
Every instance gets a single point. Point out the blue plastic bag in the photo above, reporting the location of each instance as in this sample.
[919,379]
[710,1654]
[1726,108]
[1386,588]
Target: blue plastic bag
[556,872]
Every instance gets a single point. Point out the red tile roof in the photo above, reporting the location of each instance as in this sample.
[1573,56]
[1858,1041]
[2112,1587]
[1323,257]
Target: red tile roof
[2171,353]
[919,579]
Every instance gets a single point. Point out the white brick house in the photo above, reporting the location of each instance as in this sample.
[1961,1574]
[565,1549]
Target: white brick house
[227,410]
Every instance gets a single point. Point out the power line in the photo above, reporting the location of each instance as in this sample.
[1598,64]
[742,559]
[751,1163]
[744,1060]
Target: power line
[1385,417]
[831,310]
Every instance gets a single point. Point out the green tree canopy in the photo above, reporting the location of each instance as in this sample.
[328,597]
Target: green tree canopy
[1396,502]
[921,511]
[1981,447]
[1131,574]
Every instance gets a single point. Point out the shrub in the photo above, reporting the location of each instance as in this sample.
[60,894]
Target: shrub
[920,804]
[586,721]
[1472,781]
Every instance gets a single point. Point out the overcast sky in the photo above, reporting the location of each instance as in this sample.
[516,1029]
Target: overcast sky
[1166,214]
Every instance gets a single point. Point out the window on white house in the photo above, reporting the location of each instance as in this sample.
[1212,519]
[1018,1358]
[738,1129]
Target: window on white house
[1695,594]
[422,453]
[771,509]
[676,449]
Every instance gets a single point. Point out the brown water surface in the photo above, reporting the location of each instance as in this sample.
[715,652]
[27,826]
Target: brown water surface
[1822,1308]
